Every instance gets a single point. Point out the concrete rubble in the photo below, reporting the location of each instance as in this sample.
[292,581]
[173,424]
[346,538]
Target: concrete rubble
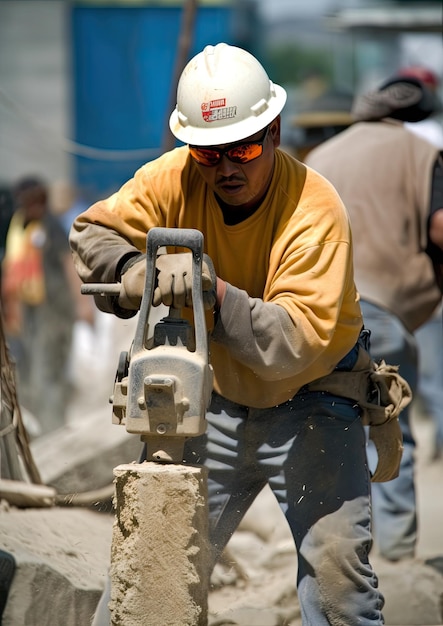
[63,555]
[63,552]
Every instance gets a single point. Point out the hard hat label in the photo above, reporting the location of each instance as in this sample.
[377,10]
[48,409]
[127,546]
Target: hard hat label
[217,110]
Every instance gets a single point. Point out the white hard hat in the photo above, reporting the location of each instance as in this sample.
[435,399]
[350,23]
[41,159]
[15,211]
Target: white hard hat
[224,95]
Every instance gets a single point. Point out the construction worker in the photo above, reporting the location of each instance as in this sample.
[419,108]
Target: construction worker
[40,293]
[391,182]
[430,334]
[279,273]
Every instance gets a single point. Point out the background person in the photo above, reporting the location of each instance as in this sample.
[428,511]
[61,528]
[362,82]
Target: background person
[430,335]
[39,293]
[321,118]
[390,181]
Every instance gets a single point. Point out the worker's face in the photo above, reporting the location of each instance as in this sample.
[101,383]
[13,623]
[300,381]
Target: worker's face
[243,184]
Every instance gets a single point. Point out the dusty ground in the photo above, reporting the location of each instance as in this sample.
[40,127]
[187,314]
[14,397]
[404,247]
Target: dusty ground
[256,585]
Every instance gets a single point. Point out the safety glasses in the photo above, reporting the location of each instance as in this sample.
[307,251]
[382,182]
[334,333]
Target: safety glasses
[241,152]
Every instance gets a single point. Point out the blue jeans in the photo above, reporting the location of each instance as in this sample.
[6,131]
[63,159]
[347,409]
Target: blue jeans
[312,452]
[394,503]
[430,384]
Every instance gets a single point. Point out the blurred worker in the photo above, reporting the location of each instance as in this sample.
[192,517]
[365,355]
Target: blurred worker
[321,118]
[430,335]
[38,303]
[279,274]
[391,184]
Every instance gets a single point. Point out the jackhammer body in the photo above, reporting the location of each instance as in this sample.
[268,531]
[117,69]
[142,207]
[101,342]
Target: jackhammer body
[163,384]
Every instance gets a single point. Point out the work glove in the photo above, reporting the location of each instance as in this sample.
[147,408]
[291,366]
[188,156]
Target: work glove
[174,281]
[133,285]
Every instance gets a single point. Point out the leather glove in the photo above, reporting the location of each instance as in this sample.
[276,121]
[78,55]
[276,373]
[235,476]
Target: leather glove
[133,286]
[174,281]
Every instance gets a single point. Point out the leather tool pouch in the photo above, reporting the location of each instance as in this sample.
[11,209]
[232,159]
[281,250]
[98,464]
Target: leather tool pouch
[381,394]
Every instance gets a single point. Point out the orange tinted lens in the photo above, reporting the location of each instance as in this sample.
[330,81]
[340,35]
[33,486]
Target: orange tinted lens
[204,156]
[245,152]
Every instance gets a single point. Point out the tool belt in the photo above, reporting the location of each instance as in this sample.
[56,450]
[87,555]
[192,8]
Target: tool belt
[381,393]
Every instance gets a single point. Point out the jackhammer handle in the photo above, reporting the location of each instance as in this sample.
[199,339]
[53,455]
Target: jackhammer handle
[181,237]
[159,237]
[101,289]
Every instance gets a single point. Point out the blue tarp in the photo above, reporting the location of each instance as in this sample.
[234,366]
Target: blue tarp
[123,77]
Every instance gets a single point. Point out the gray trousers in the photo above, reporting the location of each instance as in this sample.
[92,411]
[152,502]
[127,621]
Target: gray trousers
[312,453]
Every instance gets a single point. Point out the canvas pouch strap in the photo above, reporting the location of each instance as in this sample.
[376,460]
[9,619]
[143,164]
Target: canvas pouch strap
[381,393]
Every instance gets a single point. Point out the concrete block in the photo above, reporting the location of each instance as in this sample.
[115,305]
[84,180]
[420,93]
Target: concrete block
[160,552]
[62,558]
[81,458]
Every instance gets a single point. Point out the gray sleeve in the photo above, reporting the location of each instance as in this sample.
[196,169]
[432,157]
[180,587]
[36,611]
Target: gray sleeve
[99,255]
[259,334]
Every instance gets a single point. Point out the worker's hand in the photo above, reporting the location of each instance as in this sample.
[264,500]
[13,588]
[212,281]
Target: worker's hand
[133,286]
[174,281]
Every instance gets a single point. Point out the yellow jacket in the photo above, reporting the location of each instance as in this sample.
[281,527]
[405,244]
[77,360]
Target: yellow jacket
[291,311]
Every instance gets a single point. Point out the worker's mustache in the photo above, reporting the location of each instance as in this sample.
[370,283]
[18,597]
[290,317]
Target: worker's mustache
[230,179]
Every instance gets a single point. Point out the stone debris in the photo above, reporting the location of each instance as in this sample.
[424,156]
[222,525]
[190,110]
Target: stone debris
[63,553]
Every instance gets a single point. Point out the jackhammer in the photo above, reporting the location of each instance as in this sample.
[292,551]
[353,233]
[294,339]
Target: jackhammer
[163,384]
